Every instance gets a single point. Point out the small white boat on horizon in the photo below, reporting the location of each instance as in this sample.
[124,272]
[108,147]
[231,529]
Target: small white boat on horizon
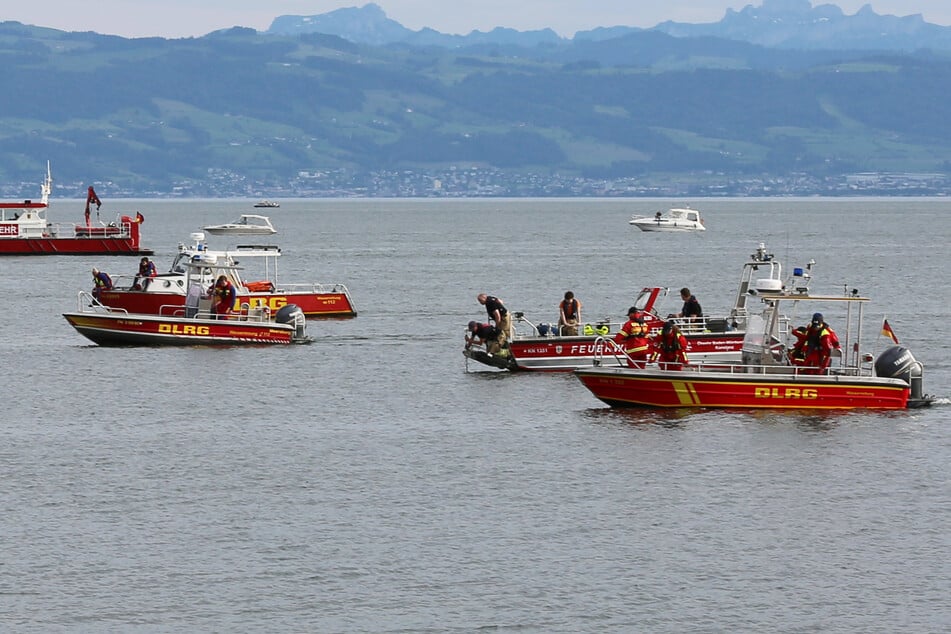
[676,219]
[246,225]
[267,203]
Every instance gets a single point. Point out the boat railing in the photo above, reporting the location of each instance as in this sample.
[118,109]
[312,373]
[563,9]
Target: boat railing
[258,314]
[87,303]
[696,325]
[311,287]
[525,328]
[604,346]
[112,230]
[775,369]
[171,310]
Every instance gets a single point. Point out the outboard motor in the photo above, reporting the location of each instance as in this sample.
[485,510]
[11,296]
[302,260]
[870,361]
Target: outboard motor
[897,362]
[293,315]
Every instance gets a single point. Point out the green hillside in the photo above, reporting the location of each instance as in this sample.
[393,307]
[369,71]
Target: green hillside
[240,112]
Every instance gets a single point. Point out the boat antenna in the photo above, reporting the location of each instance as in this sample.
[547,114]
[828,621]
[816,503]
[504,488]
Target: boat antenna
[47,187]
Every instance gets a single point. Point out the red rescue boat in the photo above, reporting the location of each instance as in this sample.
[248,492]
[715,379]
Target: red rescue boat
[769,375]
[540,347]
[194,324]
[150,296]
[25,230]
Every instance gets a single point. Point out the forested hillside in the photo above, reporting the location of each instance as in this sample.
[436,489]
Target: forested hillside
[239,111]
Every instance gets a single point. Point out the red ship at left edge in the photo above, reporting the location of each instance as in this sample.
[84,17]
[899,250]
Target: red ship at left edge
[25,229]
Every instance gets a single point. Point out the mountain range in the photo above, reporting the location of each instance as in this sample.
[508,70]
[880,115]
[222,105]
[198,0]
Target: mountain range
[784,98]
[789,24]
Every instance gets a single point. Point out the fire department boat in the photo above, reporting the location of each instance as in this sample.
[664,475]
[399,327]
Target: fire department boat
[540,347]
[765,378]
[170,288]
[190,324]
[25,230]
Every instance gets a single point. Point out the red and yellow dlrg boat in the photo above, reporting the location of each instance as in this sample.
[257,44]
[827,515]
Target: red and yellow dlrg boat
[765,377]
[652,387]
[193,324]
[149,296]
[111,328]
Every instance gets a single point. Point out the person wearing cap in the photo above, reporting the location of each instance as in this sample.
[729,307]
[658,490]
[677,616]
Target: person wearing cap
[497,312]
[483,335]
[569,315]
[632,338]
[818,343]
[670,347]
[101,282]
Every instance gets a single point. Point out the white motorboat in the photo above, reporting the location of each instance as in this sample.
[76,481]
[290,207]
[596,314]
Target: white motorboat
[267,204]
[676,219]
[246,225]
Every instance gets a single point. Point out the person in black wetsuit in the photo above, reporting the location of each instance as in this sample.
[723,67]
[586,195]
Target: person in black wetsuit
[691,309]
[483,335]
[497,312]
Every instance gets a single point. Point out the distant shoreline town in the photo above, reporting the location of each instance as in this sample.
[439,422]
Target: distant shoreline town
[492,183]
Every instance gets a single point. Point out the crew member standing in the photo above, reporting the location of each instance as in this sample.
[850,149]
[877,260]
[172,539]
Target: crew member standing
[224,295]
[498,313]
[819,342]
[632,338]
[569,315]
[670,348]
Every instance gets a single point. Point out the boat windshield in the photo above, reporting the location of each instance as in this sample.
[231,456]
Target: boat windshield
[178,265]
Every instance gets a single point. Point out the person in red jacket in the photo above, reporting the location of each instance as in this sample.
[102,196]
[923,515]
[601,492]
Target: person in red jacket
[144,276]
[817,345]
[632,338]
[670,348]
[224,295]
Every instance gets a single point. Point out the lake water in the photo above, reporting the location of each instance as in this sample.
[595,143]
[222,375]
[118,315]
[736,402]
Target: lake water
[370,483]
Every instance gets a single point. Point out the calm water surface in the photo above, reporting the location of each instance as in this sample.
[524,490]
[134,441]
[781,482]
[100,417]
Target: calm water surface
[370,483]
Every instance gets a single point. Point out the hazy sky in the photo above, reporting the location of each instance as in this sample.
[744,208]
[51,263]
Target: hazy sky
[184,18]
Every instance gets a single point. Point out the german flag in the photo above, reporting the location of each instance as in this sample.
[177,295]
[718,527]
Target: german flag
[888,332]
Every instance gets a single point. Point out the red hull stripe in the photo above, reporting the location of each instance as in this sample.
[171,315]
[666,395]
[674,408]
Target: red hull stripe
[743,393]
[71,246]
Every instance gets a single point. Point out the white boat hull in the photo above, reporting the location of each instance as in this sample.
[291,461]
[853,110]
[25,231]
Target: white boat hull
[653,225]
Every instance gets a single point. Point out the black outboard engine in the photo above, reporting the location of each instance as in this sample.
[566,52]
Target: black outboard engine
[293,315]
[897,362]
